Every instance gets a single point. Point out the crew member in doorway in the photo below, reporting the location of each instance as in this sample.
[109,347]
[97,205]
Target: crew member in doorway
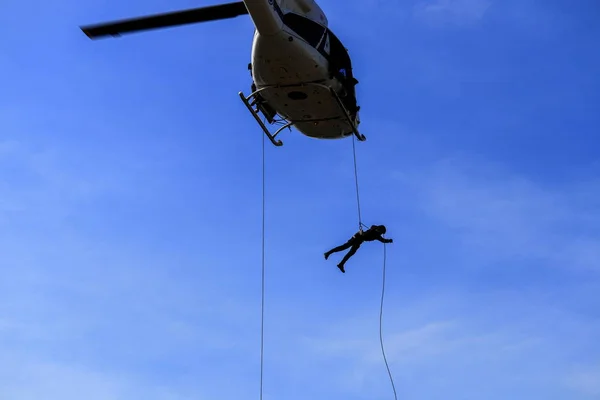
[375,232]
[340,66]
[349,95]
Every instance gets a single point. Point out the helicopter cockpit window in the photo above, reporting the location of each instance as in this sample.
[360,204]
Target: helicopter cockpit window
[307,29]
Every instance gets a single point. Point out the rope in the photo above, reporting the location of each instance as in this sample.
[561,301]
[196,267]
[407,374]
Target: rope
[262,306]
[360,224]
[381,325]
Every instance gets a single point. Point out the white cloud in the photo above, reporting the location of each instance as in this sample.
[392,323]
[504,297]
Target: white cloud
[23,378]
[102,330]
[451,11]
[499,216]
[585,381]
[48,182]
[83,317]
[484,343]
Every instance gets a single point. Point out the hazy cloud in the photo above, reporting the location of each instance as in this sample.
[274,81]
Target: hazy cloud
[457,12]
[511,216]
[585,381]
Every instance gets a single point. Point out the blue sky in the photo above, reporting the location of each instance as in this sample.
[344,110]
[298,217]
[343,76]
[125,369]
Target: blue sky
[130,209]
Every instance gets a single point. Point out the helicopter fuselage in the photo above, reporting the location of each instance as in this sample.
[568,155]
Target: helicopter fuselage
[301,72]
[292,49]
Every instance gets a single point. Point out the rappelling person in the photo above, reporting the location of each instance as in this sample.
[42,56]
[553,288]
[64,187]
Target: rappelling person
[375,232]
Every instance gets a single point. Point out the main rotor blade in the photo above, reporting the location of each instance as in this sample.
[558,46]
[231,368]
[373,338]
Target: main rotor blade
[190,16]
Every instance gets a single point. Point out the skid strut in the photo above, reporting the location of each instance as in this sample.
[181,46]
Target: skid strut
[260,122]
[251,100]
[358,135]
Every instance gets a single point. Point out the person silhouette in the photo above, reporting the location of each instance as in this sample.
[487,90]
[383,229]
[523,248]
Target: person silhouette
[375,232]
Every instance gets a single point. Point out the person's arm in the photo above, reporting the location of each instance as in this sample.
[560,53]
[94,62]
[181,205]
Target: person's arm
[384,240]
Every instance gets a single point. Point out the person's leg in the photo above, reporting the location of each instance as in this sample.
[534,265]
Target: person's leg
[345,246]
[347,256]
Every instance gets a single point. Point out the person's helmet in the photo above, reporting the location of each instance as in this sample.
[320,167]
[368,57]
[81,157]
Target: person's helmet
[381,229]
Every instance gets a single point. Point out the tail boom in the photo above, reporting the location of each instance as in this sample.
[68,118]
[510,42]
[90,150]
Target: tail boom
[266,16]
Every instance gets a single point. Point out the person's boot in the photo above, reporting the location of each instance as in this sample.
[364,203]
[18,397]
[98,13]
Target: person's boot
[327,255]
[341,267]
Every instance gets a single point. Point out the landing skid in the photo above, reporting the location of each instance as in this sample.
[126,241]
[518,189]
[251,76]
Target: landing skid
[254,100]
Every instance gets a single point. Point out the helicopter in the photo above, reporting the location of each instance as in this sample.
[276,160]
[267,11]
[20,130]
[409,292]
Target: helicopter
[301,72]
